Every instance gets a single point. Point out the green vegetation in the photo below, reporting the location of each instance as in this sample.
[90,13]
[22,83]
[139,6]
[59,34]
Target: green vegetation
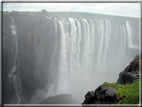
[137,60]
[128,94]
[43,11]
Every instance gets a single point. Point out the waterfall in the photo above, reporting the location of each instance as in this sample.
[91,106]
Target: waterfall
[129,30]
[46,56]
[51,86]
[91,49]
[14,78]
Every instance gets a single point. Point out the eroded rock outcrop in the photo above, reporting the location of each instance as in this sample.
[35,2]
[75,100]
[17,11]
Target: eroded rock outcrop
[130,73]
[102,95]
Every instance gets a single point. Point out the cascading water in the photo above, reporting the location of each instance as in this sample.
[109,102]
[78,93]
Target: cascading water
[130,39]
[64,55]
[92,50]
[14,79]
[51,86]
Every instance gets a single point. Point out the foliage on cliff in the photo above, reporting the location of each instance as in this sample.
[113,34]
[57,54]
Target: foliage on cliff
[127,94]
[128,84]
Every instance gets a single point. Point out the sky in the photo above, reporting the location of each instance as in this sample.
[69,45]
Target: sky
[121,9]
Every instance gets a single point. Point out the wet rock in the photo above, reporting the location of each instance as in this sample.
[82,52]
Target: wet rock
[130,73]
[60,99]
[89,94]
[103,95]
[127,78]
[89,97]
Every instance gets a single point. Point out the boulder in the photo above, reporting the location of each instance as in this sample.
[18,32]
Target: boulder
[89,97]
[102,95]
[89,94]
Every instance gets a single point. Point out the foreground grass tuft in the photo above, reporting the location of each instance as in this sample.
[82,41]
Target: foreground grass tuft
[128,94]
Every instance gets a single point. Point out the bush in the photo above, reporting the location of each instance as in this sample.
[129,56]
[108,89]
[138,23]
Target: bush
[129,93]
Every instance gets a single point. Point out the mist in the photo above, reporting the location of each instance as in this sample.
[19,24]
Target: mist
[45,56]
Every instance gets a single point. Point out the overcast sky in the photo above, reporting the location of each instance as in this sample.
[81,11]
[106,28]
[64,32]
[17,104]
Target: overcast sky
[122,9]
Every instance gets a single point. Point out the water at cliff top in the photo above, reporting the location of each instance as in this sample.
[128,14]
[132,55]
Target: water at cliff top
[78,56]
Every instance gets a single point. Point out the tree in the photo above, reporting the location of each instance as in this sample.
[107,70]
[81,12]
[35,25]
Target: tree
[43,11]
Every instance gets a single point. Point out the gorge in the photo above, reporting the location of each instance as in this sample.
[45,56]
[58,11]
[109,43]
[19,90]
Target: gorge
[44,55]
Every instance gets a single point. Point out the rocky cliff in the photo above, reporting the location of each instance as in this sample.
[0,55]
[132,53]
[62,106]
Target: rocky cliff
[33,58]
[107,93]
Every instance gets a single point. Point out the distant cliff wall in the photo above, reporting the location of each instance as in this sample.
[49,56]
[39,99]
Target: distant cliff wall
[33,58]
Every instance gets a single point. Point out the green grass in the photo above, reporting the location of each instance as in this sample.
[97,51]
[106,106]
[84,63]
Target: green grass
[129,93]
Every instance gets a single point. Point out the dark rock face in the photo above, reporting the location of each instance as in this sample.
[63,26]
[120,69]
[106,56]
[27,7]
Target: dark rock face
[33,41]
[89,97]
[59,99]
[106,94]
[89,94]
[102,95]
[130,73]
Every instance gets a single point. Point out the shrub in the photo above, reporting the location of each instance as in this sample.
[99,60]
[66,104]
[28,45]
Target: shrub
[128,93]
